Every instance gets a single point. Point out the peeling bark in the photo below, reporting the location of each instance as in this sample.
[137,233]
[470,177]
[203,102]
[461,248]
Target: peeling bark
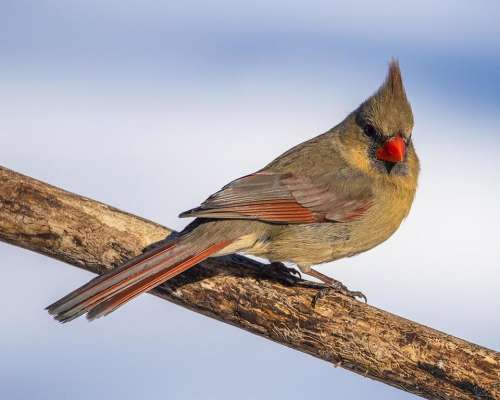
[238,291]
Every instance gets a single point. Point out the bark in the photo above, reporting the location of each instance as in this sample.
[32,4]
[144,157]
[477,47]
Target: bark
[235,290]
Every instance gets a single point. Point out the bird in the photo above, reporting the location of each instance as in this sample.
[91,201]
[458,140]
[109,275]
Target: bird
[336,195]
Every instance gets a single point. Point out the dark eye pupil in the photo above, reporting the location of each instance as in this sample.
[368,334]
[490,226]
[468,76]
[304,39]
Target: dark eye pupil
[370,131]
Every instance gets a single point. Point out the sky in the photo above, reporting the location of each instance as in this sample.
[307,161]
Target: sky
[151,106]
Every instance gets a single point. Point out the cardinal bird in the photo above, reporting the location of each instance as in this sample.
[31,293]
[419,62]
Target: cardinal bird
[333,196]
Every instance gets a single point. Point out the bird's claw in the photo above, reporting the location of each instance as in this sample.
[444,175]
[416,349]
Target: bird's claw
[337,287]
[278,270]
[282,268]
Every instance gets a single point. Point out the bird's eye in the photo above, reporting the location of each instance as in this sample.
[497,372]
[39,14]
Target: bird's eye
[370,131]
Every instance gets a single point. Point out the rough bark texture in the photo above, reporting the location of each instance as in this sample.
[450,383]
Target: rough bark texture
[347,333]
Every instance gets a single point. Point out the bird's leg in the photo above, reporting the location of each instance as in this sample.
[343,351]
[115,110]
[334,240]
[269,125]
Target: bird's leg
[331,285]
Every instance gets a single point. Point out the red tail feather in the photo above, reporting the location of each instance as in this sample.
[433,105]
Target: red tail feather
[142,286]
[106,293]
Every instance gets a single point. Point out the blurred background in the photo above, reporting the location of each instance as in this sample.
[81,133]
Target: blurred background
[151,106]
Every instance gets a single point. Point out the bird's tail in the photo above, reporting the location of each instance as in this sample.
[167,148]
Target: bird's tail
[107,292]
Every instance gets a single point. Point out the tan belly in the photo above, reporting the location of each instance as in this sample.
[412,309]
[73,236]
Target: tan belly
[309,244]
[319,243]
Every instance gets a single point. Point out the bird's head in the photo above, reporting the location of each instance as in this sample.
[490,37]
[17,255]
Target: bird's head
[383,126]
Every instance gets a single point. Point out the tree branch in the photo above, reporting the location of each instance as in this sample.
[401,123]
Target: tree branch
[348,333]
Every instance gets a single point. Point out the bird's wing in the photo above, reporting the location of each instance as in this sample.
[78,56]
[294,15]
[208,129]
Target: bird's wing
[288,198]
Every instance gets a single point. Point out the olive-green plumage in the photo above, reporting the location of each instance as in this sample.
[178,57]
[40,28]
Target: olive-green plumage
[342,160]
[334,196]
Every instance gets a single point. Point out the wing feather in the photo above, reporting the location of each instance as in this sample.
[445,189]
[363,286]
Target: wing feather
[285,198]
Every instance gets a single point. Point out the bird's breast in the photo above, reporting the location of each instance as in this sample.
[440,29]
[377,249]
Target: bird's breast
[324,242]
[391,206]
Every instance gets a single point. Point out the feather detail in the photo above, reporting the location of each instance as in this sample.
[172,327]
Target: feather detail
[149,283]
[284,198]
[128,281]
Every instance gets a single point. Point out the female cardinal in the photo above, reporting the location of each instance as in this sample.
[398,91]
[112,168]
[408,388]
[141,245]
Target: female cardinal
[334,196]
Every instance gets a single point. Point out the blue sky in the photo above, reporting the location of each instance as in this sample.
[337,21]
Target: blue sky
[173,100]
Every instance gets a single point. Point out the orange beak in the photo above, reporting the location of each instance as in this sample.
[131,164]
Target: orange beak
[393,150]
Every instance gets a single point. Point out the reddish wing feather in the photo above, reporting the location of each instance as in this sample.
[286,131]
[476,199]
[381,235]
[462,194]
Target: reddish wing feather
[284,198]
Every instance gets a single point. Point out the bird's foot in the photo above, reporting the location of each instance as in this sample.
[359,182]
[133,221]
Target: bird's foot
[336,286]
[283,269]
[279,271]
